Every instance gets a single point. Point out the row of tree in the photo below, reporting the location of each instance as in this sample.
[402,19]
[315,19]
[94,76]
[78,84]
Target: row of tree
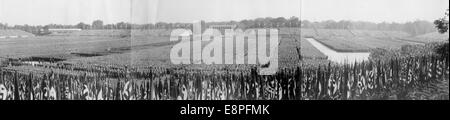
[414,28]
[97,24]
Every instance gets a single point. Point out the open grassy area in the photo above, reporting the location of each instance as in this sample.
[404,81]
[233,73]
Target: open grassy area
[152,47]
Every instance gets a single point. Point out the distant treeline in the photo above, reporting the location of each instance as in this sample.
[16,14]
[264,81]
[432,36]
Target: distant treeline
[414,28]
[395,79]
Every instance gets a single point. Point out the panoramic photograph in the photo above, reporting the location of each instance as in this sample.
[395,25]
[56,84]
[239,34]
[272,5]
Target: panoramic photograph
[224,50]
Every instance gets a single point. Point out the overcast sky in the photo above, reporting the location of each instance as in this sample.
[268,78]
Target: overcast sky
[41,12]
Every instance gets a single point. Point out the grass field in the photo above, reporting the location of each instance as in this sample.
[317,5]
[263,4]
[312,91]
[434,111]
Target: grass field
[57,45]
[144,48]
[160,55]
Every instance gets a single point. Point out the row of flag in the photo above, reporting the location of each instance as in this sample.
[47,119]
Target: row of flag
[351,81]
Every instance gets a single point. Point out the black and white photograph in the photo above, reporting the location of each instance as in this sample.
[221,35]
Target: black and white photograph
[224,50]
